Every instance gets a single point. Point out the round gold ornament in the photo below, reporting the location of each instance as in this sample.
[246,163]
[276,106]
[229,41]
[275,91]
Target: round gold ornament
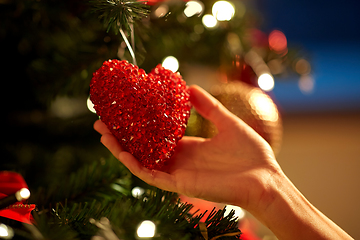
[251,105]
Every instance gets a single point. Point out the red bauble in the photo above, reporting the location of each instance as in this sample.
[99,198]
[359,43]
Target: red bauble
[147,113]
[10,183]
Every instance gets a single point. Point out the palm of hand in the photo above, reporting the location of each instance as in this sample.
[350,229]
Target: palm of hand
[226,168]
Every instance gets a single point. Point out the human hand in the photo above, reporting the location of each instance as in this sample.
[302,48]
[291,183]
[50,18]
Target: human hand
[232,167]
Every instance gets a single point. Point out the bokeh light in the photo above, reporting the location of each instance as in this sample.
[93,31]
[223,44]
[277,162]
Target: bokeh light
[223,10]
[239,212]
[171,63]
[266,82]
[209,21]
[277,41]
[264,106]
[193,8]
[306,84]
[6,232]
[137,192]
[302,66]
[161,10]
[146,229]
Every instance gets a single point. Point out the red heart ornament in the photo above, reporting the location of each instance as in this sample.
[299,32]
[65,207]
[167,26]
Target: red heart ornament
[147,113]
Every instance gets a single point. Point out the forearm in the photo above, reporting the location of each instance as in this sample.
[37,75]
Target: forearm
[289,215]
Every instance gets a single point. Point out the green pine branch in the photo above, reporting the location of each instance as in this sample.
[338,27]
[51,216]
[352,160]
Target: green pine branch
[172,218]
[104,180]
[119,14]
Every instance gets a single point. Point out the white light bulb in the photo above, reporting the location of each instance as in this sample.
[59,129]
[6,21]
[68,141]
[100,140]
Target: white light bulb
[171,63]
[266,82]
[193,8]
[239,212]
[223,10]
[146,229]
[209,21]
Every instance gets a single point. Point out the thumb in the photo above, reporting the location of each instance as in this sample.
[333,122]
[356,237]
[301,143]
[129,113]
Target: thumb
[210,108]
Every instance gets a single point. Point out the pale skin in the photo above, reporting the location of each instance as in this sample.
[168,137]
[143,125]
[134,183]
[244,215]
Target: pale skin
[235,167]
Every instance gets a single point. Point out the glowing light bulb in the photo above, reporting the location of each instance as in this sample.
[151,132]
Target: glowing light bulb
[90,105]
[146,229]
[266,82]
[193,8]
[223,10]
[209,21]
[239,212]
[171,63]
[6,232]
[24,193]
[137,192]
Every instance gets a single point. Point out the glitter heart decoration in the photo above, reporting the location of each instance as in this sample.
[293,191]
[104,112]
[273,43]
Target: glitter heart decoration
[147,113]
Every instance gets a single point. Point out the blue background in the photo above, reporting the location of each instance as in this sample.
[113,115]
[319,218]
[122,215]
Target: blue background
[330,32]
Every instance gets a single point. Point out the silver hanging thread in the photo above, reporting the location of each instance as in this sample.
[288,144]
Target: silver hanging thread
[132,45]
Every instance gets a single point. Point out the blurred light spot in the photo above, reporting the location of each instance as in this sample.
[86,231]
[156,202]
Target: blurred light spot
[276,66]
[171,63]
[306,84]
[223,10]
[198,29]
[277,41]
[240,9]
[90,105]
[266,82]
[6,232]
[239,212]
[146,229]
[302,67]
[209,21]
[193,8]
[263,105]
[161,11]
[137,192]
[65,107]
[24,193]
[234,42]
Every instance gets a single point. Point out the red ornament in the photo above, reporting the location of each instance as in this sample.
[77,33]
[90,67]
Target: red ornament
[10,183]
[147,113]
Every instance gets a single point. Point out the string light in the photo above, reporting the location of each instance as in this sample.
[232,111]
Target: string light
[146,229]
[171,63]
[6,232]
[238,211]
[209,21]
[223,10]
[193,8]
[266,82]
[137,192]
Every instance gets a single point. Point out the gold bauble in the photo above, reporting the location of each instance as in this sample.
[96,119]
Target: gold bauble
[251,105]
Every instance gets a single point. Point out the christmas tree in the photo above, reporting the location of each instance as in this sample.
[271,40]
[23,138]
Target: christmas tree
[51,49]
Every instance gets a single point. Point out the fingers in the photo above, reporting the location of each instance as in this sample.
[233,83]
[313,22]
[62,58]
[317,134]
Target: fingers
[155,178]
[100,127]
[111,143]
[209,107]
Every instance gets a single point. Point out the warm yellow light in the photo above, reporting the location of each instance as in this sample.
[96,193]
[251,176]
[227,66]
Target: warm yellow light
[239,212]
[161,11]
[266,82]
[223,10]
[171,63]
[137,192]
[302,67]
[6,232]
[209,21]
[193,8]
[264,106]
[146,229]
[90,105]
